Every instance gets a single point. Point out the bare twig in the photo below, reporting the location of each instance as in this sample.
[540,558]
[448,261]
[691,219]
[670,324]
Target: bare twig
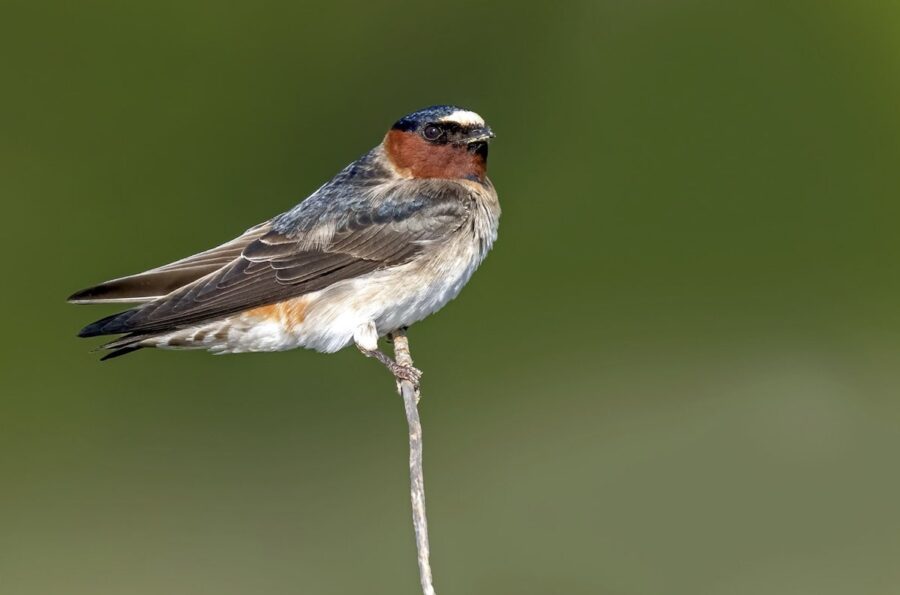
[410,393]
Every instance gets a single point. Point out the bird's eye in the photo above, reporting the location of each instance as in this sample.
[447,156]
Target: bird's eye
[432,132]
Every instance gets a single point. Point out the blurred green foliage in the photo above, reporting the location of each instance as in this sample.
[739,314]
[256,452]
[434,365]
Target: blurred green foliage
[677,373]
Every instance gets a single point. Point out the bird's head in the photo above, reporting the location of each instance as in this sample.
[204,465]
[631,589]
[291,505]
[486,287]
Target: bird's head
[442,141]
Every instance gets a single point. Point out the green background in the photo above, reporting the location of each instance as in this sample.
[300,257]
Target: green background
[677,373]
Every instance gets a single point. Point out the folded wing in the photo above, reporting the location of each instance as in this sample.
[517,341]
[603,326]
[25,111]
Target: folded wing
[279,265]
[161,281]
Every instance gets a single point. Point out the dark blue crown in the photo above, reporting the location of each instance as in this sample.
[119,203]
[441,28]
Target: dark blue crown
[416,119]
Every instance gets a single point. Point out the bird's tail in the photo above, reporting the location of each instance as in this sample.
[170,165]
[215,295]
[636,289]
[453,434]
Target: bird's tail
[124,346]
[110,325]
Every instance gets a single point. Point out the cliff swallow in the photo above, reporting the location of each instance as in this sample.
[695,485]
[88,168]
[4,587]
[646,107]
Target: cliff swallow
[389,240]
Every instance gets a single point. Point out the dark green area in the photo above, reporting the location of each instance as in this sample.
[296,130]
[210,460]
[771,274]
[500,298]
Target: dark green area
[677,373]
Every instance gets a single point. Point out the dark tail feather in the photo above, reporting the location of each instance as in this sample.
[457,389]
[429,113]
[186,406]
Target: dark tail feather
[111,325]
[120,352]
[123,346]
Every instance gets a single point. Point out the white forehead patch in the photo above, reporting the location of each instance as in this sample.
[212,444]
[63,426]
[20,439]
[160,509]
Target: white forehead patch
[464,118]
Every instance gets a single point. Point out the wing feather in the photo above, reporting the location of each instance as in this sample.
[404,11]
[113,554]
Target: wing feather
[155,283]
[282,264]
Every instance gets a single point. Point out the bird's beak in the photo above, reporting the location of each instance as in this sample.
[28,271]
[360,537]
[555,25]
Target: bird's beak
[481,134]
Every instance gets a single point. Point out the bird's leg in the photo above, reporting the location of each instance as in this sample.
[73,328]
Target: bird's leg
[366,339]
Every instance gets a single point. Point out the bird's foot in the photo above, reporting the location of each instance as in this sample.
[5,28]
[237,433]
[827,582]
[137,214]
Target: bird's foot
[399,371]
[409,373]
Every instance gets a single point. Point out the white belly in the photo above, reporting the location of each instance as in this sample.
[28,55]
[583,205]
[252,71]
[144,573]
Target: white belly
[392,298]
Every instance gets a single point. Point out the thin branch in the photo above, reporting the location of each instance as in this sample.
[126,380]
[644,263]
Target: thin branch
[410,393]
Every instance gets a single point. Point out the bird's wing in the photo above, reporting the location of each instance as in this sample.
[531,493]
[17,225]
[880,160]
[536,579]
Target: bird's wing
[281,264]
[161,281]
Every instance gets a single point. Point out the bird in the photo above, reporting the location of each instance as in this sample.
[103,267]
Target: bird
[388,241]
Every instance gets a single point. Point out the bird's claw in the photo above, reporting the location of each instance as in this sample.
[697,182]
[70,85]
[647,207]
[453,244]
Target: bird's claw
[409,373]
[400,371]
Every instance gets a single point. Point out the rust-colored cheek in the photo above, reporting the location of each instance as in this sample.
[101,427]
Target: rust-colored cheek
[415,157]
